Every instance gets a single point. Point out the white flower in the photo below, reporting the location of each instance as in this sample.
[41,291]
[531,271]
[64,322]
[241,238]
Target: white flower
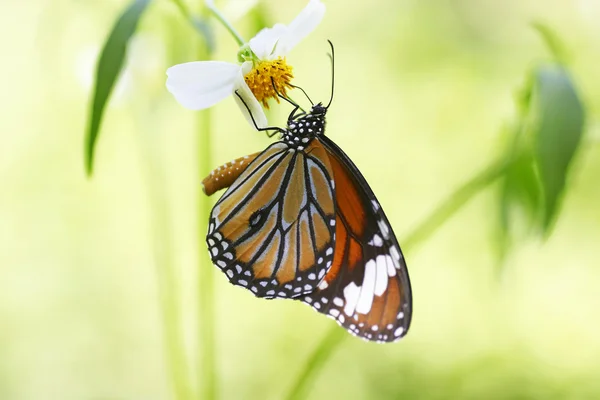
[201,84]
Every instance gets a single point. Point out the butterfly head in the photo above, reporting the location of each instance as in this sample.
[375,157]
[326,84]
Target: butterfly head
[302,129]
[318,110]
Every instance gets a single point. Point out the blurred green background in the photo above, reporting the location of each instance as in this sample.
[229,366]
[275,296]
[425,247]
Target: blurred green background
[424,91]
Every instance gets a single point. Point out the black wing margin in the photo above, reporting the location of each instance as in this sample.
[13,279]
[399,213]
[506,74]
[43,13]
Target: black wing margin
[367,289]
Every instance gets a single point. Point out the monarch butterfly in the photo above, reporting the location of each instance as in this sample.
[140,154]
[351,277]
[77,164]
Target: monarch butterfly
[299,221]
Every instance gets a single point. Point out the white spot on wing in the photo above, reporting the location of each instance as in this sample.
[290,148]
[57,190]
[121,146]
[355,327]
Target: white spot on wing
[391,269]
[351,293]
[385,229]
[376,241]
[382,274]
[365,300]
[395,253]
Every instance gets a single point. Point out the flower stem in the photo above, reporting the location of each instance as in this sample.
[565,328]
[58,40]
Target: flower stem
[166,271]
[206,309]
[205,320]
[335,336]
[456,200]
[168,288]
[217,14]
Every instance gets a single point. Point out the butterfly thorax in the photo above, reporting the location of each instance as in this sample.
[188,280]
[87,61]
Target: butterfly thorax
[302,129]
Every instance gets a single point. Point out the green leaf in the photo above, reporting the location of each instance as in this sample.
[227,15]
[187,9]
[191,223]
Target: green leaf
[108,68]
[204,29]
[520,198]
[520,190]
[559,117]
[259,18]
[553,42]
[199,24]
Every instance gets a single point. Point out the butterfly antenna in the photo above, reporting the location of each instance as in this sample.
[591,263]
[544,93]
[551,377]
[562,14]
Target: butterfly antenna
[298,87]
[332,56]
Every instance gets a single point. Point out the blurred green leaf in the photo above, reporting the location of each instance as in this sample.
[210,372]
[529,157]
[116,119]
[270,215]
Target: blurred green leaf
[259,18]
[108,68]
[545,137]
[559,117]
[521,196]
[520,191]
[199,24]
[555,45]
[204,29]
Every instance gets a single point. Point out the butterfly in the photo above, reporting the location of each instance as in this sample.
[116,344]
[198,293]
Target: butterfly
[300,221]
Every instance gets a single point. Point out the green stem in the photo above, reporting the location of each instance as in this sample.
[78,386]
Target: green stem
[217,14]
[167,287]
[167,281]
[456,200]
[335,336]
[206,317]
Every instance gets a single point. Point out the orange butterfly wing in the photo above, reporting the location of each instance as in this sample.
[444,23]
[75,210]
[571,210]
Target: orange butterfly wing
[367,289]
[272,231]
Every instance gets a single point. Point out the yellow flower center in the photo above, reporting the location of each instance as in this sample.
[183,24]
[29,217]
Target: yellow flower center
[260,83]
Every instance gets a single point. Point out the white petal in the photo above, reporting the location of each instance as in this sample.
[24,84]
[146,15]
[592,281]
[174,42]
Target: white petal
[201,84]
[264,42]
[300,27]
[243,90]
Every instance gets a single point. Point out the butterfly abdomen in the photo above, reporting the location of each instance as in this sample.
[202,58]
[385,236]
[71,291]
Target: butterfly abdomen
[224,176]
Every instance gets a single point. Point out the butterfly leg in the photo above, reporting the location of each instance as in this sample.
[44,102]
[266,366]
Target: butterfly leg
[268,128]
